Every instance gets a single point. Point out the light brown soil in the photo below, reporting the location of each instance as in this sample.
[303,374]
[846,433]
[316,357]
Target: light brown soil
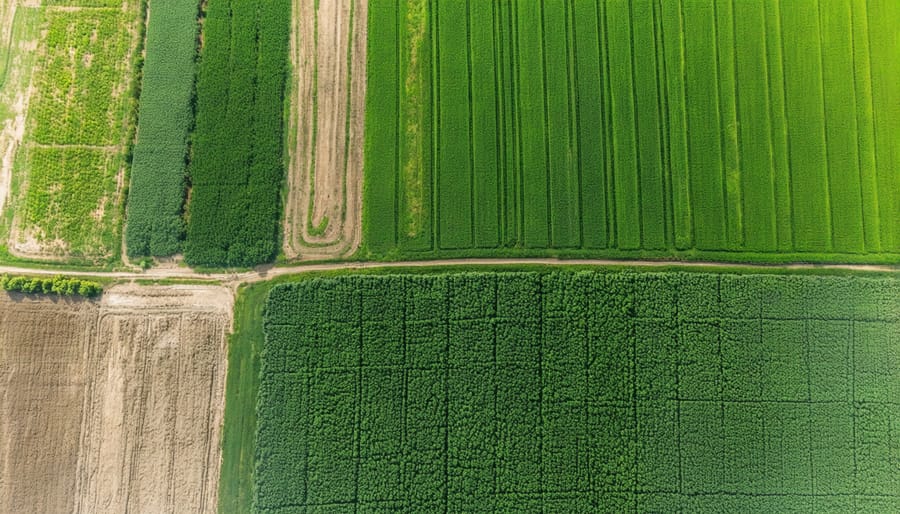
[113,405]
[326,162]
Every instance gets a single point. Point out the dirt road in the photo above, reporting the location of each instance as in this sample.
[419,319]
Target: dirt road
[264,273]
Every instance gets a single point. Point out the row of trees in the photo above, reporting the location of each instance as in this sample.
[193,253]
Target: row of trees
[58,285]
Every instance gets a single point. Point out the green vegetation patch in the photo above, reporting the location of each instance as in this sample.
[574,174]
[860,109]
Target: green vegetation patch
[80,82]
[632,126]
[237,164]
[68,199]
[580,392]
[156,197]
[58,285]
[71,198]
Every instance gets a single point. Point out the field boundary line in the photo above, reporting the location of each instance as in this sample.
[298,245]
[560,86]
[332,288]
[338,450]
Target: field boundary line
[787,125]
[830,217]
[737,117]
[636,139]
[545,130]
[662,107]
[723,169]
[473,241]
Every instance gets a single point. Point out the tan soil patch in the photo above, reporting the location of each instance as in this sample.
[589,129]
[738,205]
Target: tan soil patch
[326,161]
[113,405]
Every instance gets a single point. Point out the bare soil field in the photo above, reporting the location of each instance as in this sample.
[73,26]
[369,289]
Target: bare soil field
[113,405]
[324,184]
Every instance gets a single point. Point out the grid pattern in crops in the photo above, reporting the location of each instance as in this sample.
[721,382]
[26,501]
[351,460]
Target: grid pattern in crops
[750,127]
[580,392]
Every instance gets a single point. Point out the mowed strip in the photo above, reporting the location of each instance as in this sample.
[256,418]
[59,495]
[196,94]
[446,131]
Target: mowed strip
[327,120]
[113,405]
[579,392]
[636,127]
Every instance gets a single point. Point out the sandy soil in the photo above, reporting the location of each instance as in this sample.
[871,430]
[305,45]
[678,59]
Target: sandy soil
[113,405]
[325,174]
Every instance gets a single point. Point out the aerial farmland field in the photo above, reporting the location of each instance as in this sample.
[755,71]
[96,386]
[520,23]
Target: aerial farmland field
[327,117]
[537,256]
[752,130]
[70,167]
[112,405]
[580,392]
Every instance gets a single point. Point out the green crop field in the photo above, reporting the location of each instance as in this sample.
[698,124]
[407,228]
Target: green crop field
[749,130]
[156,196]
[580,392]
[237,168]
[69,201]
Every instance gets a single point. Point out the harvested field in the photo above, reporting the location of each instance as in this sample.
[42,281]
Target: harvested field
[323,201]
[113,405]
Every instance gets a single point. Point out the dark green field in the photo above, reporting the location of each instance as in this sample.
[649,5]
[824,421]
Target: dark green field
[580,392]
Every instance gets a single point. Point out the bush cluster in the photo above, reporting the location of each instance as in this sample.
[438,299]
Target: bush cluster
[58,285]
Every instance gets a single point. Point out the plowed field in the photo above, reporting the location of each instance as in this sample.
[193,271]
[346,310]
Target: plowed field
[112,405]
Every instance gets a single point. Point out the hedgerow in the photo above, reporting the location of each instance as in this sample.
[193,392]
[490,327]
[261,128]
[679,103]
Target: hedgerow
[58,285]
[579,392]
[156,196]
[237,163]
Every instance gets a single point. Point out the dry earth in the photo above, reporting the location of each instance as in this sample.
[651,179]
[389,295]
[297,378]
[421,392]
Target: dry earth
[113,405]
[328,120]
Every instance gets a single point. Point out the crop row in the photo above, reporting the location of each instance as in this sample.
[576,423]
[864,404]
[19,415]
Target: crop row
[237,166]
[634,125]
[156,195]
[570,390]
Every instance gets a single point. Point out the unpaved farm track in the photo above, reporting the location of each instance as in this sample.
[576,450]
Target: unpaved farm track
[323,202]
[264,273]
[113,405]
